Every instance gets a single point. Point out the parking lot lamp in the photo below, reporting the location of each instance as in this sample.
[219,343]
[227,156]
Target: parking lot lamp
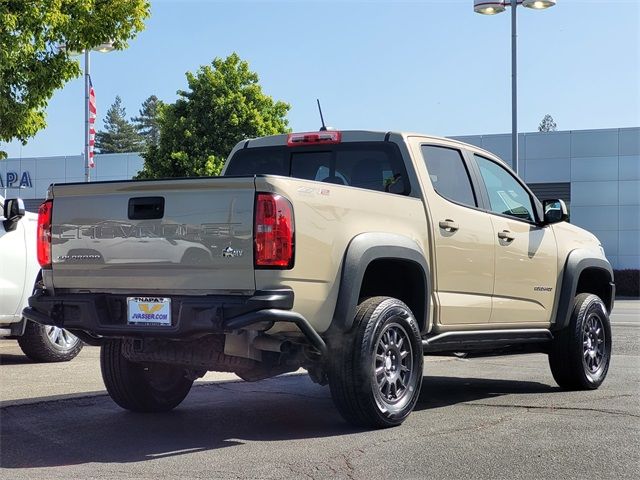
[102,48]
[486,7]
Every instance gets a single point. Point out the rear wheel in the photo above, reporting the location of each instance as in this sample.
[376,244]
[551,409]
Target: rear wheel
[46,343]
[580,354]
[376,374]
[149,387]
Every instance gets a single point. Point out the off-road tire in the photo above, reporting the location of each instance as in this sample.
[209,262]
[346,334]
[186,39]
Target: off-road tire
[141,387]
[37,344]
[360,371]
[581,353]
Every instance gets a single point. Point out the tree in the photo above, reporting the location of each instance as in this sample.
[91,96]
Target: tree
[32,66]
[223,105]
[120,135]
[147,122]
[547,124]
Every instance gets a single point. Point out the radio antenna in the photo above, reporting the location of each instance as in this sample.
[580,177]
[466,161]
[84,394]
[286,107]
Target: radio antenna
[324,127]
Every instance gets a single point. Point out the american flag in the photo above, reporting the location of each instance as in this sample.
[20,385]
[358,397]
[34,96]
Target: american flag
[93,112]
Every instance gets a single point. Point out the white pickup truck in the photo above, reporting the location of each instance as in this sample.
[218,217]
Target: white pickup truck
[19,273]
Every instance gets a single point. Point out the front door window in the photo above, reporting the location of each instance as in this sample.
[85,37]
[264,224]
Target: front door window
[506,195]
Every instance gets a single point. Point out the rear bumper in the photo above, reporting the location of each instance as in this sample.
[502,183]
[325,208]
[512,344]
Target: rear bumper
[102,314]
[105,315]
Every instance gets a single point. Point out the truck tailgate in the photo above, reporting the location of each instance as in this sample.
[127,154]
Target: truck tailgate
[191,236]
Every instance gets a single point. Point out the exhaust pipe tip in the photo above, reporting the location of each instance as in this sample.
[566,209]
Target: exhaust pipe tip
[271,344]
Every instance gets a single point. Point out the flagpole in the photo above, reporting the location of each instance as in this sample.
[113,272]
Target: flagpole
[87,176]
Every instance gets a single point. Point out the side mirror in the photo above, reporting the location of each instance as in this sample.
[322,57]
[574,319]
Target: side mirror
[555,211]
[13,211]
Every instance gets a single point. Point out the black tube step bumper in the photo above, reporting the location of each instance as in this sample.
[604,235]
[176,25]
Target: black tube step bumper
[105,315]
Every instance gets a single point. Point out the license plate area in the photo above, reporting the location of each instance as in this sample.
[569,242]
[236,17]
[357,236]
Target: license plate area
[151,311]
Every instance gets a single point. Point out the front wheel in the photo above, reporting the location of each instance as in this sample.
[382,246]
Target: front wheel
[46,343]
[580,354]
[376,371]
[150,387]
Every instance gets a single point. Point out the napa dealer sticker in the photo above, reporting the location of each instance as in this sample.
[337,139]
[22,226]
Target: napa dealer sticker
[149,311]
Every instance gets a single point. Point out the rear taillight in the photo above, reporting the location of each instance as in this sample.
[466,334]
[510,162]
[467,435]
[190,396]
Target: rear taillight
[314,138]
[44,234]
[273,231]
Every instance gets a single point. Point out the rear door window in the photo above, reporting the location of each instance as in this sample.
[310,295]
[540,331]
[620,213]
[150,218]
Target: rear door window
[448,174]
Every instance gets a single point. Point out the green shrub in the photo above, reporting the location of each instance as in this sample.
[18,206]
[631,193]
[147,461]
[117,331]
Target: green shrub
[627,282]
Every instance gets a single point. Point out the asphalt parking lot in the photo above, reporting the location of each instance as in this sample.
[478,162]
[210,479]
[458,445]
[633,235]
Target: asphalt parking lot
[497,417]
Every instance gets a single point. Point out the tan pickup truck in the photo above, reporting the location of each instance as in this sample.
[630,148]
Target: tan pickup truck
[351,254]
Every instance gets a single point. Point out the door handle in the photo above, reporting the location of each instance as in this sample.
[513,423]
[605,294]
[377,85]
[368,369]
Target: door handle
[448,225]
[506,235]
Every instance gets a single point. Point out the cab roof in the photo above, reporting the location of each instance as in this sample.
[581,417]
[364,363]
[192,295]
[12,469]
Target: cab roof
[362,136]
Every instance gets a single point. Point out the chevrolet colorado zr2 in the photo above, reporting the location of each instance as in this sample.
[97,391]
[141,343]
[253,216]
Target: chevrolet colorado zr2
[350,254]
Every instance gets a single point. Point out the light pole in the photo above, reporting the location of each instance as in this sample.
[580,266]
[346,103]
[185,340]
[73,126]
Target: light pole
[486,7]
[102,48]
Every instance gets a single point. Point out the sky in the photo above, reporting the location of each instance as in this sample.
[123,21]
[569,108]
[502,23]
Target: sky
[433,67]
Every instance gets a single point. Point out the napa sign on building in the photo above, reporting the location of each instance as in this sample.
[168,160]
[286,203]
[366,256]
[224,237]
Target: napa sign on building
[11,180]
[597,172]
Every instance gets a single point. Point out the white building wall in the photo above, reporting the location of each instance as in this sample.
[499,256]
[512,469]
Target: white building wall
[603,168]
[43,171]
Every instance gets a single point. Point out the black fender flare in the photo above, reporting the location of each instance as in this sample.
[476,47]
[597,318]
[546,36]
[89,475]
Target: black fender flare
[361,251]
[577,262]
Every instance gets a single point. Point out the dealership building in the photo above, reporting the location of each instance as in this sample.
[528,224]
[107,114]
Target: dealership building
[597,172]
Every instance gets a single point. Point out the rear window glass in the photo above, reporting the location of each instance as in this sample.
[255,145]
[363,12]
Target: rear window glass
[374,166]
[265,161]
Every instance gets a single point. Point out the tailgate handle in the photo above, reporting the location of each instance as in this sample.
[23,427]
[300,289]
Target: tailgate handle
[146,208]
